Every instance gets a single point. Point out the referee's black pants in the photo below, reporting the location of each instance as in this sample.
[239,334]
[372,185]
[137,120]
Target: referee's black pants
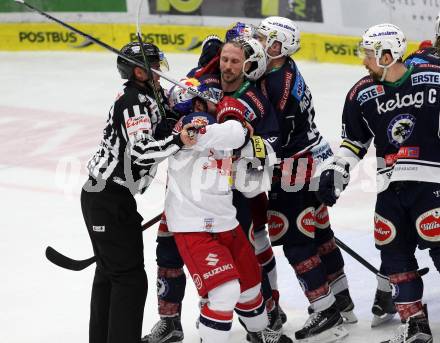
[120,284]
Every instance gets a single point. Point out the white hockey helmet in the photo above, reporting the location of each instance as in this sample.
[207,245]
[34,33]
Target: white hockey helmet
[379,38]
[283,30]
[255,56]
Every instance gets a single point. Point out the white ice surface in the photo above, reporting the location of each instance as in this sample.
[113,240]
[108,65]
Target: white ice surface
[53,107]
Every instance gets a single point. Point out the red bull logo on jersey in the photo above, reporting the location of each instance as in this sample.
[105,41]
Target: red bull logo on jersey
[428,225]
[277,224]
[370,93]
[199,121]
[306,222]
[384,230]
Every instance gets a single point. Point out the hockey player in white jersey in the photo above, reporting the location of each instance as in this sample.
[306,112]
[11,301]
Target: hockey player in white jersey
[199,212]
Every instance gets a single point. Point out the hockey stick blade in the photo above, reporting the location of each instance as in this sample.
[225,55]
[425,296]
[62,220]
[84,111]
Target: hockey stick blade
[69,263]
[66,262]
[423,271]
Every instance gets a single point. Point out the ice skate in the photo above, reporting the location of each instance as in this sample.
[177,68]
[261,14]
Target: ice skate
[414,330]
[166,330]
[275,322]
[268,336]
[283,315]
[383,308]
[323,326]
[345,305]
[276,297]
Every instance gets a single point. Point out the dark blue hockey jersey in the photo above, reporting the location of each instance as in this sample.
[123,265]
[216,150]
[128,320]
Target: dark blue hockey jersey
[402,120]
[292,100]
[423,56]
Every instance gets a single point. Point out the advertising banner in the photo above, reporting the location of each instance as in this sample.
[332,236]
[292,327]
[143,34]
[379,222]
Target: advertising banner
[67,6]
[169,38]
[48,36]
[300,10]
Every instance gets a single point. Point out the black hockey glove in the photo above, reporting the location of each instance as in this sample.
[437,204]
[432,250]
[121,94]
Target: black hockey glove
[166,125]
[333,180]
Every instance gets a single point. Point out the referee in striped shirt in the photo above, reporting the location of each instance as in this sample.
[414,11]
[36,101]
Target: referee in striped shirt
[135,139]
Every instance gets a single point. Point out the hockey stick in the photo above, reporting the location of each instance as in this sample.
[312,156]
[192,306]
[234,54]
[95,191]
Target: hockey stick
[190,89]
[69,263]
[356,256]
[364,262]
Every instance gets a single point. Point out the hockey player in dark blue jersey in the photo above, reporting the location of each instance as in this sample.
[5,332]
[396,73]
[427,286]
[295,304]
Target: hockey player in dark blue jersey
[297,219]
[397,109]
[383,306]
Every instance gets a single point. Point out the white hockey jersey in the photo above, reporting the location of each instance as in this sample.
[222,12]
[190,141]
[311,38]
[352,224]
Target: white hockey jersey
[199,191]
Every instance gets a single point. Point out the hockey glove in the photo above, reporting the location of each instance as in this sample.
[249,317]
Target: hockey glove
[230,108]
[254,151]
[333,180]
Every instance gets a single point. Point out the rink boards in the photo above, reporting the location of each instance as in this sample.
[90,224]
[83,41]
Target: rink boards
[169,38]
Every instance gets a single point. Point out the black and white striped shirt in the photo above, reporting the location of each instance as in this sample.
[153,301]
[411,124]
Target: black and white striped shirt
[135,140]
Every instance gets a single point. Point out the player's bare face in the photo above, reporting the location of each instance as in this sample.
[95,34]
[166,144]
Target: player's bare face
[370,64]
[231,64]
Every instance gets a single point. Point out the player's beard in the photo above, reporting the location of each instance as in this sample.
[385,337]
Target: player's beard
[229,77]
[376,76]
